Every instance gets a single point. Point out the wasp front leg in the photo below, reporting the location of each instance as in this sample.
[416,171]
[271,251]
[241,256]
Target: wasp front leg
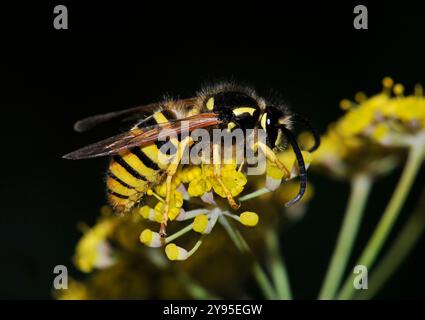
[217,176]
[171,171]
[271,156]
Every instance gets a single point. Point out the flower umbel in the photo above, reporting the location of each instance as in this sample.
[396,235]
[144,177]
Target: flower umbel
[368,136]
[202,182]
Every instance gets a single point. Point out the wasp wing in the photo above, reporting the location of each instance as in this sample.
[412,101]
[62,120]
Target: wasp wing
[142,137]
[126,114]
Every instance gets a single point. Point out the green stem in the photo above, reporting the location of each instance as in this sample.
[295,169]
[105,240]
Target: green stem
[254,194]
[277,266]
[195,248]
[187,282]
[243,247]
[401,247]
[179,233]
[389,217]
[193,288]
[360,190]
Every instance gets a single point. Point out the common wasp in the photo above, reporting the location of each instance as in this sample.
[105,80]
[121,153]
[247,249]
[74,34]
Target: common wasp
[135,166]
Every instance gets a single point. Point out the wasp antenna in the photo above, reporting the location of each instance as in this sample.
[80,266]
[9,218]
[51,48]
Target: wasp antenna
[301,165]
[310,128]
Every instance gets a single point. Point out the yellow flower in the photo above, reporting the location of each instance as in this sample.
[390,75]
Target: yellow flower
[384,118]
[198,179]
[204,180]
[150,238]
[199,186]
[150,214]
[161,189]
[203,222]
[190,173]
[200,224]
[176,202]
[360,141]
[93,250]
[275,175]
[232,179]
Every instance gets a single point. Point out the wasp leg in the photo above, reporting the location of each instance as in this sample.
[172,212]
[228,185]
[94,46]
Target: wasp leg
[171,171]
[271,156]
[163,227]
[217,176]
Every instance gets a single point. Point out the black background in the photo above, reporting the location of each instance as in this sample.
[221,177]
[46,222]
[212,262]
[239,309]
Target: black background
[119,55]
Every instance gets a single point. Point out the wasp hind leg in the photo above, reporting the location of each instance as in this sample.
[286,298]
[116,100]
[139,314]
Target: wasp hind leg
[163,227]
[171,171]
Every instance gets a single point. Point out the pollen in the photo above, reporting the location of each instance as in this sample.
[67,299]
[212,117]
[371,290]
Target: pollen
[150,214]
[200,224]
[198,187]
[145,211]
[174,252]
[150,238]
[249,219]
[189,174]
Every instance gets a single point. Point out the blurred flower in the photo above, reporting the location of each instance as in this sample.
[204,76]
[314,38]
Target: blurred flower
[142,273]
[93,250]
[366,139]
[76,291]
[383,118]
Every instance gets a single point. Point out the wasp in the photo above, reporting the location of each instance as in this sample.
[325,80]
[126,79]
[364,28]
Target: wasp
[135,167]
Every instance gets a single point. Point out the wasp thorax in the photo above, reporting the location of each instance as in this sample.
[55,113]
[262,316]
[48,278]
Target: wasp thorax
[235,109]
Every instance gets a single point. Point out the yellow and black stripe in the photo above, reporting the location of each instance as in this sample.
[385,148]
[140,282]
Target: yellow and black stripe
[133,172]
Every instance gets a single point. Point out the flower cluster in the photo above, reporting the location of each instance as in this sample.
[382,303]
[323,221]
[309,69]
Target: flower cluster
[136,273]
[365,138]
[200,182]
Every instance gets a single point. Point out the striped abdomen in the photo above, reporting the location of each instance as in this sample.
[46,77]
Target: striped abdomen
[133,172]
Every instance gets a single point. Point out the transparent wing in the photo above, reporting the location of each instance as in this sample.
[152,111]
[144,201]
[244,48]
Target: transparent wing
[126,114]
[141,137]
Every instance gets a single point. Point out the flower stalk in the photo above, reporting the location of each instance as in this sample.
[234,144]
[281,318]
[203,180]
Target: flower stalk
[191,286]
[179,233]
[277,266]
[258,272]
[399,250]
[254,194]
[374,246]
[360,190]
